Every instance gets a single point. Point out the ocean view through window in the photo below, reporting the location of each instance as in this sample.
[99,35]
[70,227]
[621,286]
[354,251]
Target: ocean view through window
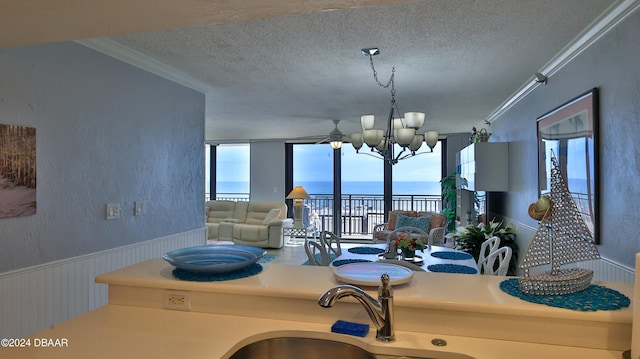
[360,203]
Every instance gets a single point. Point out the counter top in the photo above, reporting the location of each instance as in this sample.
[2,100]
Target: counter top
[115,331]
[470,312]
[460,292]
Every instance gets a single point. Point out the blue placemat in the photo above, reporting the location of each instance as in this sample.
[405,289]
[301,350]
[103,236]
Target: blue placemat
[248,271]
[341,262]
[267,258]
[366,250]
[452,255]
[593,298]
[452,268]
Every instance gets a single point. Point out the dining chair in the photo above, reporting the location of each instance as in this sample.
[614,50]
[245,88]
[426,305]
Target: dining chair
[331,243]
[503,256]
[316,253]
[436,236]
[487,247]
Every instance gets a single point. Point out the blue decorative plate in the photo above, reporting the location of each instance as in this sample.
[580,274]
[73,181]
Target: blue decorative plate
[214,259]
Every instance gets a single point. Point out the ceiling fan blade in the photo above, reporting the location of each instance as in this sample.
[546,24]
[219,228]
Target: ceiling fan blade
[322,140]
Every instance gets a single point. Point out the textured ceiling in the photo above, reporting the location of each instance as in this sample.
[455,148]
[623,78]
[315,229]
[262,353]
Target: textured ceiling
[290,74]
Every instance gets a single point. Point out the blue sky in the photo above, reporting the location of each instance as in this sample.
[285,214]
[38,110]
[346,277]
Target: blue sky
[314,163]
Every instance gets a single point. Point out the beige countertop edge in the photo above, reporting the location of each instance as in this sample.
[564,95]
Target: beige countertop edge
[116,331]
[433,290]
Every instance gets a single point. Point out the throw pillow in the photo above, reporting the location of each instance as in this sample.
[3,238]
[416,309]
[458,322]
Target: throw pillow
[393,218]
[272,215]
[418,222]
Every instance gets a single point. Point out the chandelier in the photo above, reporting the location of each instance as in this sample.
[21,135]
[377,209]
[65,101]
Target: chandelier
[400,130]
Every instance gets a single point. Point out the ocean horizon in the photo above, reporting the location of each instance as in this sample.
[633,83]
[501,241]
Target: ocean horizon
[348,187]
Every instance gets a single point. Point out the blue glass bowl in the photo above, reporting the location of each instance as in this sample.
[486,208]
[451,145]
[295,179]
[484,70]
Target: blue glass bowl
[214,259]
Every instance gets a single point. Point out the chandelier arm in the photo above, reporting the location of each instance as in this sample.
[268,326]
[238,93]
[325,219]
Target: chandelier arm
[412,154]
[400,157]
[368,154]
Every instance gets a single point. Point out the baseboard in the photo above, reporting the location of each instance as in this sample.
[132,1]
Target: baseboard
[35,298]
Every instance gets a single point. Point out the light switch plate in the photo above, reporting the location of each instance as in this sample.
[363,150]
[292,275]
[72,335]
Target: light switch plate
[112,210]
[140,208]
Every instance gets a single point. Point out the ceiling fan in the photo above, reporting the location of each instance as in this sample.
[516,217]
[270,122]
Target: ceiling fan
[335,137]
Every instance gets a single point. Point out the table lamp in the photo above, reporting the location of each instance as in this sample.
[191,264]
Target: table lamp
[298,194]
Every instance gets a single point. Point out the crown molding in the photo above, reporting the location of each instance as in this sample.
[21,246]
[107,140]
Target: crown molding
[610,18]
[144,62]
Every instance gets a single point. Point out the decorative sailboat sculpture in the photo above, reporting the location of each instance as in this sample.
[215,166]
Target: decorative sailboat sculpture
[562,238]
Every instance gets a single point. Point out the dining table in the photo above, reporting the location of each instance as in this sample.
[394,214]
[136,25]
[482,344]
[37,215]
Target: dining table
[430,259]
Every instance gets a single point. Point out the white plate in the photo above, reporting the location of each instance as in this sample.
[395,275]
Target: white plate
[368,274]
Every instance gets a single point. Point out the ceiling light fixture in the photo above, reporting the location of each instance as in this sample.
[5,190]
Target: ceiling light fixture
[335,136]
[400,131]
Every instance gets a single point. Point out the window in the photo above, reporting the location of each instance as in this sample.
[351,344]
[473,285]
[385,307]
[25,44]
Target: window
[414,185]
[416,181]
[313,170]
[232,172]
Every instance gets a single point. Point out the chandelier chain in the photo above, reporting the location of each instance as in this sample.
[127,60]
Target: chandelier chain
[391,81]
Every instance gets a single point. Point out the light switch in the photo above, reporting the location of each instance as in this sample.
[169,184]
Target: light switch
[140,208]
[112,210]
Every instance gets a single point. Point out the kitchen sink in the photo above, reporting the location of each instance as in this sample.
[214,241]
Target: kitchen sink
[295,348]
[311,348]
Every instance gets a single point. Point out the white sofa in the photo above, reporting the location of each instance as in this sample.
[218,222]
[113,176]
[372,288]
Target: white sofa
[257,223]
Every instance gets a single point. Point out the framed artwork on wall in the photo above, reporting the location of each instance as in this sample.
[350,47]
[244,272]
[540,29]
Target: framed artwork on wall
[571,132]
[17,171]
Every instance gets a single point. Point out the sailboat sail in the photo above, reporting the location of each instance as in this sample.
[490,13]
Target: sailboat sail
[562,236]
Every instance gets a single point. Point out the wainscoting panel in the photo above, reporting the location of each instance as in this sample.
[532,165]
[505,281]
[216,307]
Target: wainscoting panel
[35,298]
[603,268]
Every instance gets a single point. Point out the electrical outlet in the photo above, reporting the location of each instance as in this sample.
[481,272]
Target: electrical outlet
[177,300]
[112,210]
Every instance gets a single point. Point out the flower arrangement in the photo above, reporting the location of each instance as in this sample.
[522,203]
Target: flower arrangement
[404,242]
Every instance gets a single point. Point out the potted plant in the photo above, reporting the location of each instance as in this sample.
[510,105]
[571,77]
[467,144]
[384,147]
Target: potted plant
[408,246]
[470,240]
[449,199]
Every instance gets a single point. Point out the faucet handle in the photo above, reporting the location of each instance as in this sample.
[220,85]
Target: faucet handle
[385,290]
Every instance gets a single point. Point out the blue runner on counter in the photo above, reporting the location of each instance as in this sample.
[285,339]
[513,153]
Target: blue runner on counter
[593,298]
[341,262]
[451,255]
[366,250]
[452,268]
[248,271]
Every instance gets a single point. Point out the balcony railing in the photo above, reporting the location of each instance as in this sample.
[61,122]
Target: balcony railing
[359,212]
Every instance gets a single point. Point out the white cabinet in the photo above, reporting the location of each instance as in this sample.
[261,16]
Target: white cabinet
[484,167]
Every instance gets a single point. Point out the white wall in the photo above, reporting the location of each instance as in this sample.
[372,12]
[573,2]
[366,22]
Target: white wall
[267,171]
[106,132]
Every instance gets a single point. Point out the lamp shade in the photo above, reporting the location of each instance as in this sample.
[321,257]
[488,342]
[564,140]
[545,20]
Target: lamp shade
[404,136]
[373,137]
[357,140]
[398,123]
[367,122]
[431,138]
[414,119]
[416,143]
[335,144]
[298,193]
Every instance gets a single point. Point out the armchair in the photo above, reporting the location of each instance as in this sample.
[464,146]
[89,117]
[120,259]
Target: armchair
[437,223]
